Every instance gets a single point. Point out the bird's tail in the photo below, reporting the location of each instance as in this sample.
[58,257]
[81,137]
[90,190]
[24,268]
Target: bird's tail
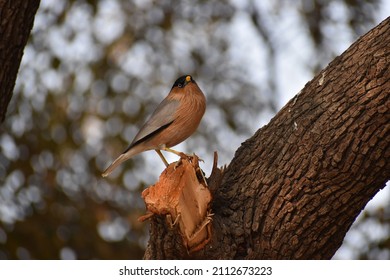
[118,161]
[122,158]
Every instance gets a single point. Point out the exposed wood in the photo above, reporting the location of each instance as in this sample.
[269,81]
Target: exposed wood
[181,196]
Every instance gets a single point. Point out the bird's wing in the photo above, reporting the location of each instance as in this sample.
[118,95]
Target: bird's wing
[163,116]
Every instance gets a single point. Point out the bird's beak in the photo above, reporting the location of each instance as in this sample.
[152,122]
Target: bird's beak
[188,79]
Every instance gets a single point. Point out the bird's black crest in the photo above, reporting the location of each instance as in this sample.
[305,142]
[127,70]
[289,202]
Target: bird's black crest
[182,81]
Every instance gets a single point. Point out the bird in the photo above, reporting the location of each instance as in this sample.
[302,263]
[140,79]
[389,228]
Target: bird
[174,120]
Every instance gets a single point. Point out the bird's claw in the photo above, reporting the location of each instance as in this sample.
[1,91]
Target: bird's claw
[192,158]
[184,156]
[177,164]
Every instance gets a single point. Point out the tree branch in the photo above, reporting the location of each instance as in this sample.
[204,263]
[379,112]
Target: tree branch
[16,22]
[295,187]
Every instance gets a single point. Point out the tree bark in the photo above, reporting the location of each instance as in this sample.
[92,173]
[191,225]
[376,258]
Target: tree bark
[16,22]
[295,187]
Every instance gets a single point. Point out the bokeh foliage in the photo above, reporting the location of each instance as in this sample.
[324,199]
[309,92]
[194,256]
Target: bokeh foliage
[94,70]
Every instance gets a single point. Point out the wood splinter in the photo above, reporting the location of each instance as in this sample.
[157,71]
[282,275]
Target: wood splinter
[182,196]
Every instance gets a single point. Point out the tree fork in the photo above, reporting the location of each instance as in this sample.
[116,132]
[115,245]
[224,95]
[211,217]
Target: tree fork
[295,187]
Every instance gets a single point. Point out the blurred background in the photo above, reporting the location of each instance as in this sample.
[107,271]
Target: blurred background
[94,70]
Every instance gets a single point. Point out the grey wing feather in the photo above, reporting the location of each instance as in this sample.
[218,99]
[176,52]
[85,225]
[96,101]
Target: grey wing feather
[163,115]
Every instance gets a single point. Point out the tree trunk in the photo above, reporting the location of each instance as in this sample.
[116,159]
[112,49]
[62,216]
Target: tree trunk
[295,187]
[16,21]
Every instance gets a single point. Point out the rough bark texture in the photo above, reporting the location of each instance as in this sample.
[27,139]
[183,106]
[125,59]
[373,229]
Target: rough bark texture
[294,188]
[16,21]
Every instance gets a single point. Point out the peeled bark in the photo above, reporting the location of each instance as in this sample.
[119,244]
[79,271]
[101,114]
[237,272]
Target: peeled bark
[294,188]
[16,22]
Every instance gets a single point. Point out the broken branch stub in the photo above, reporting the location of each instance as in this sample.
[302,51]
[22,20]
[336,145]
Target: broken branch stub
[182,196]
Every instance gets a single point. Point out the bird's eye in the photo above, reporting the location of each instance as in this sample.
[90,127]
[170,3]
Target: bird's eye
[180,85]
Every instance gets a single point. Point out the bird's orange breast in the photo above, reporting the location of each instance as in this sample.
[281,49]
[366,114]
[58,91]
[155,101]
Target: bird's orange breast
[187,116]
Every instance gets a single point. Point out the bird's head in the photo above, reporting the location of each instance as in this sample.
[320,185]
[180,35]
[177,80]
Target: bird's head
[183,81]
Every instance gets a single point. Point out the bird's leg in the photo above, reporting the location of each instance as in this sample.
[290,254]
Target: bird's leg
[180,154]
[162,157]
